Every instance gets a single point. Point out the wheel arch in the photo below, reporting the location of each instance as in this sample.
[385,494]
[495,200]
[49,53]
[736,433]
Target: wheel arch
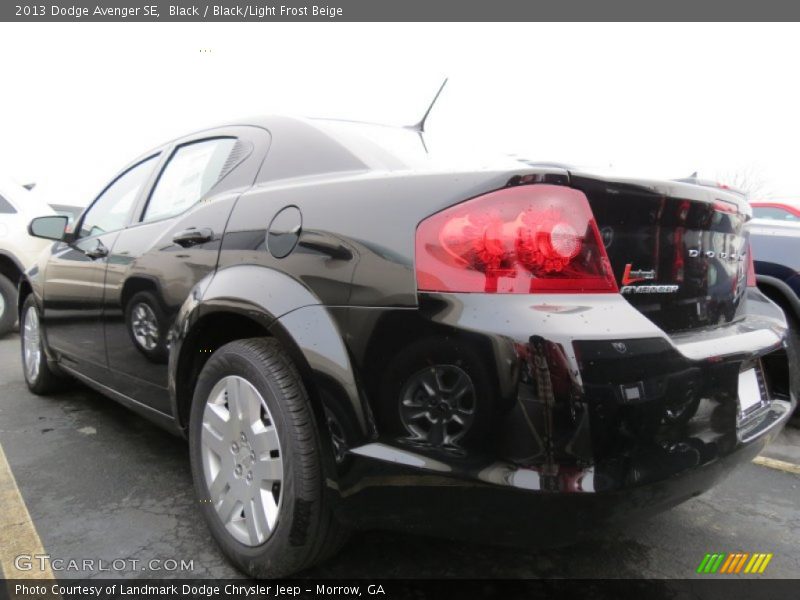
[247,301]
[213,327]
[774,286]
[139,283]
[23,291]
[10,267]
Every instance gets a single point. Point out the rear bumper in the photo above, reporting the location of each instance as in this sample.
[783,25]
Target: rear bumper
[428,503]
[584,405]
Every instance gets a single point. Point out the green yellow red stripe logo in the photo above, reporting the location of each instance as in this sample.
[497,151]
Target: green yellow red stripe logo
[734,563]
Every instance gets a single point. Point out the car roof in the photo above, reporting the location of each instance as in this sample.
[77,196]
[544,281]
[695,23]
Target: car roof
[793,202]
[341,144]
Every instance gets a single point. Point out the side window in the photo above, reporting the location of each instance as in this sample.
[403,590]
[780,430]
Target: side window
[773,212]
[192,170]
[110,211]
[6,208]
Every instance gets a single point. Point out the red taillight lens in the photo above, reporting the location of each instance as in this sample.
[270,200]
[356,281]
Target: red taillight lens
[535,238]
[751,268]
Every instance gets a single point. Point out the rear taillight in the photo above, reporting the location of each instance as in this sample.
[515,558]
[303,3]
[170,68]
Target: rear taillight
[535,238]
[751,268]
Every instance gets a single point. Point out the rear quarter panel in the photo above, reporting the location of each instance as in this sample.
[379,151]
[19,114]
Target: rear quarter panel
[356,245]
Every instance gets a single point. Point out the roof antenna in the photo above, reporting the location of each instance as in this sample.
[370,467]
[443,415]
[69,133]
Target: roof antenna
[420,127]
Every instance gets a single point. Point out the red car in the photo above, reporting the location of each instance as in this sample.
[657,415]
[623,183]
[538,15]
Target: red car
[780,210]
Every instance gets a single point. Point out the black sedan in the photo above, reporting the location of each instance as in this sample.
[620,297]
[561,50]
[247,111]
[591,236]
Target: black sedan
[353,331]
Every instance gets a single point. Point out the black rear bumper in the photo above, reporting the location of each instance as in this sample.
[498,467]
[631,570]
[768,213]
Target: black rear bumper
[587,412]
[401,498]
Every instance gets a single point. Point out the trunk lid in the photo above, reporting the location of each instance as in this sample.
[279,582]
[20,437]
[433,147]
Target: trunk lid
[678,251]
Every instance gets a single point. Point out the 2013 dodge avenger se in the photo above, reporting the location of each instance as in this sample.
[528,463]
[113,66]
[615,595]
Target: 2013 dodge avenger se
[352,333]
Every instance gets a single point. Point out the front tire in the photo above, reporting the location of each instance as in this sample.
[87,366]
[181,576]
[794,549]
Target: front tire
[256,464]
[39,376]
[8,302]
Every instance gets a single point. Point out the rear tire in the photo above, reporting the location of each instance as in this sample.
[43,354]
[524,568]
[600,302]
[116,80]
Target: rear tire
[793,350]
[8,303]
[793,355]
[39,376]
[258,473]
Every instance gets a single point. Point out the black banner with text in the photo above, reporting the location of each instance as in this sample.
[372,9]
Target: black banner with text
[394,589]
[397,10]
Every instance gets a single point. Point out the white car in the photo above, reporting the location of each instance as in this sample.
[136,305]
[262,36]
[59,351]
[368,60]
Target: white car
[18,250]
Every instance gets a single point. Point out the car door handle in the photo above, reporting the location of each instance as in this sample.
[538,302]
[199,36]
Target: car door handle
[99,251]
[193,236]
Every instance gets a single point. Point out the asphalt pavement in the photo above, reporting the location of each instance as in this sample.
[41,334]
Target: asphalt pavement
[103,485]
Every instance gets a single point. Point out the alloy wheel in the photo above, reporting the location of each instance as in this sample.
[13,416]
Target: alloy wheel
[437,406]
[145,326]
[31,340]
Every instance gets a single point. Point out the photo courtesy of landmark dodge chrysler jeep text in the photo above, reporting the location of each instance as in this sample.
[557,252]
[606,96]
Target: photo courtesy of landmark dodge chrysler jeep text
[353,332]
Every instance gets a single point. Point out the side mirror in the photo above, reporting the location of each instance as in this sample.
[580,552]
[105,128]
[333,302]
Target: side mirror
[51,227]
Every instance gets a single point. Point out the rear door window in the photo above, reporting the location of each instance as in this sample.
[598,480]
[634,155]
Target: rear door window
[192,170]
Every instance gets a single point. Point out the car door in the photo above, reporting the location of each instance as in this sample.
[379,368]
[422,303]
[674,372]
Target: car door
[75,272]
[172,245]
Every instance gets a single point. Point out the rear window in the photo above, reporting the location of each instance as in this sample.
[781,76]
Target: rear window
[775,213]
[392,147]
[401,148]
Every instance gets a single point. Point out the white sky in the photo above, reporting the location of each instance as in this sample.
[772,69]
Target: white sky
[78,101]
